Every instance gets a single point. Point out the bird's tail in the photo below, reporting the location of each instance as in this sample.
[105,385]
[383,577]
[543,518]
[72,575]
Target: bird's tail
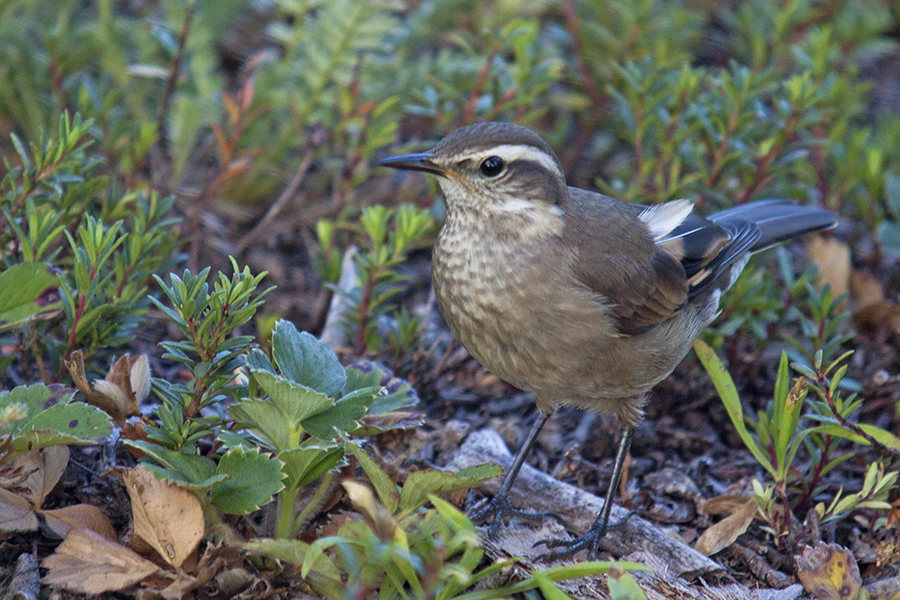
[777,220]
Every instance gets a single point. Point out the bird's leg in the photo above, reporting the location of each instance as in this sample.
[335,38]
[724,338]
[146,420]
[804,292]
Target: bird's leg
[500,506]
[590,541]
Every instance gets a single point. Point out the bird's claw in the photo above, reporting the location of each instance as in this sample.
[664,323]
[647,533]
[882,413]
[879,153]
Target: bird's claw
[500,507]
[590,541]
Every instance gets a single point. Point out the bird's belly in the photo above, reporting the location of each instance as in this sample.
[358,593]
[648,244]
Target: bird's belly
[522,316]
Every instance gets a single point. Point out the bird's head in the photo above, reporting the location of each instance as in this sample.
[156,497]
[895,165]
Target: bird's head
[492,167]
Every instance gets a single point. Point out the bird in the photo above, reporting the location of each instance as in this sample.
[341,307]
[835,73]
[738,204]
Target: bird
[575,296]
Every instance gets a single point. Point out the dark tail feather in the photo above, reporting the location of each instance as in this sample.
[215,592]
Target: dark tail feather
[777,220]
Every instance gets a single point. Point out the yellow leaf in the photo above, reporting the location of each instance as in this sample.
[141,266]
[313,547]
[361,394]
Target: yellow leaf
[829,572]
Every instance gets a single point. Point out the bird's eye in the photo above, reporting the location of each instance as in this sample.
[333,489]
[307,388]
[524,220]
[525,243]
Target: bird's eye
[492,166]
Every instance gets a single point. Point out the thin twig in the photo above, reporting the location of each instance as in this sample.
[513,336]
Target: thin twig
[587,78]
[280,203]
[876,445]
[172,82]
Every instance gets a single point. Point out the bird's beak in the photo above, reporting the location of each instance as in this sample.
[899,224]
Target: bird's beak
[412,162]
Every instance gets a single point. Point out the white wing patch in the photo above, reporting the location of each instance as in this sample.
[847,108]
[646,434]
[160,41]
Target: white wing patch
[662,219]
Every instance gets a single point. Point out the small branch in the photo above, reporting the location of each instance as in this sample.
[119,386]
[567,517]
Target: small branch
[469,112]
[587,78]
[280,203]
[876,445]
[172,82]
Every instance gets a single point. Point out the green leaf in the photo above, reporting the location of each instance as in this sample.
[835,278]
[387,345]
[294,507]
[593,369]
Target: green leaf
[384,487]
[309,461]
[295,401]
[253,479]
[880,435]
[344,416]
[624,587]
[192,471]
[728,393]
[420,484]
[548,590]
[294,552]
[306,360]
[50,418]
[266,419]
[28,292]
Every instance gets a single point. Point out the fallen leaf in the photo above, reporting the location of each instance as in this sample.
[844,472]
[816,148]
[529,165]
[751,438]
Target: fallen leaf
[722,505]
[24,483]
[865,290]
[79,516]
[89,563]
[833,260]
[56,459]
[167,517]
[722,534]
[16,513]
[881,317]
[829,572]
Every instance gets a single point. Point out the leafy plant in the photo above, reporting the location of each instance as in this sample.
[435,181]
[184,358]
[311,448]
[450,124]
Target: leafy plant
[36,416]
[211,354]
[389,235]
[403,550]
[780,434]
[79,248]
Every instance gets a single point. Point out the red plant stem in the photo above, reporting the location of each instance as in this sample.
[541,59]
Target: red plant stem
[364,314]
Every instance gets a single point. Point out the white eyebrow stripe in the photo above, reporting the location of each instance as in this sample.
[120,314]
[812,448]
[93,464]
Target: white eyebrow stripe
[511,152]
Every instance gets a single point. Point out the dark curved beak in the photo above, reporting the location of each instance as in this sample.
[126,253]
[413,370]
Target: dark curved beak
[412,162]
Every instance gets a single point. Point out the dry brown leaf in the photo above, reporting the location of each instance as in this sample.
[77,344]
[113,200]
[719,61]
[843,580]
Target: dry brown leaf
[56,459]
[25,482]
[865,290]
[125,386]
[79,516]
[89,563]
[722,534]
[722,505]
[833,260]
[16,513]
[877,318]
[829,572]
[167,517]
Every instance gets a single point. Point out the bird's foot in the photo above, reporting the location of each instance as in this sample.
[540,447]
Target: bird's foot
[500,507]
[590,541]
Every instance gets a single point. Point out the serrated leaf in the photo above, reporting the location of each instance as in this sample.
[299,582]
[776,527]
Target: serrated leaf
[306,360]
[52,419]
[309,461]
[431,481]
[28,292]
[344,416]
[266,419]
[192,471]
[297,402]
[253,479]
[829,572]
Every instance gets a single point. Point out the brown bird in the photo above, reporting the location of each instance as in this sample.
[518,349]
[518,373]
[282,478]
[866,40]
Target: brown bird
[575,296]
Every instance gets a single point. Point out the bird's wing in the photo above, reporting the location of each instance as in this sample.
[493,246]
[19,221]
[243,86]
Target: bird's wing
[649,262]
[616,257]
